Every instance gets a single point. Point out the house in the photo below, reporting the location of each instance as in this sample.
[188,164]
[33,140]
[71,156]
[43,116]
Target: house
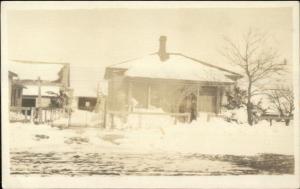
[43,82]
[15,90]
[172,82]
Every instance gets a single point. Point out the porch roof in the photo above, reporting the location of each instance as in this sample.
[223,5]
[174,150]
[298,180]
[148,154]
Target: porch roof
[33,90]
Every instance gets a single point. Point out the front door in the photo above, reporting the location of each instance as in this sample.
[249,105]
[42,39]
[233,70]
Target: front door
[207,99]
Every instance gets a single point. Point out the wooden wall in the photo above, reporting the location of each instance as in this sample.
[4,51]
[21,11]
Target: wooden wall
[156,93]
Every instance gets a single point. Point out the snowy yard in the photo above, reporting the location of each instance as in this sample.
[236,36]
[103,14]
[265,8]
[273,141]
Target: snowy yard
[199,148]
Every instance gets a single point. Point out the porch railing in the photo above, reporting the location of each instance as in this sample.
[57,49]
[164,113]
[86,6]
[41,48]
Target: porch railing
[35,115]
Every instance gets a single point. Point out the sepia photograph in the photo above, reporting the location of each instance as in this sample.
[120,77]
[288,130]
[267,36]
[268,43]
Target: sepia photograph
[150,94]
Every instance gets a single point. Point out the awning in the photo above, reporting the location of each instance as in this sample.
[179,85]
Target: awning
[33,90]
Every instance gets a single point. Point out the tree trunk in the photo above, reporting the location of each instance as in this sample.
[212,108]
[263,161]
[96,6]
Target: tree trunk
[249,105]
[249,113]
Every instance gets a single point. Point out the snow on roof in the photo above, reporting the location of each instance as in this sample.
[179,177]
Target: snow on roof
[176,67]
[33,90]
[85,80]
[31,71]
[12,74]
[85,91]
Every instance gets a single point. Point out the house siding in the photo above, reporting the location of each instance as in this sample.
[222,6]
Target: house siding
[165,94]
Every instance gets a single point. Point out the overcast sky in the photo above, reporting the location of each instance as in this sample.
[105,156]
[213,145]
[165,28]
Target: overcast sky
[101,37]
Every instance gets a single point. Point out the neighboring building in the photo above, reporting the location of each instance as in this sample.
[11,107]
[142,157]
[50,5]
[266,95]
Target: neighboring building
[88,87]
[87,98]
[41,79]
[15,90]
[171,82]
[85,102]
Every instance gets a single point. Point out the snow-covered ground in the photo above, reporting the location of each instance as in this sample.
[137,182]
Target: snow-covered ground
[213,137]
[157,147]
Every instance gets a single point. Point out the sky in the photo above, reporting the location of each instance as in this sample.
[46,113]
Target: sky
[91,39]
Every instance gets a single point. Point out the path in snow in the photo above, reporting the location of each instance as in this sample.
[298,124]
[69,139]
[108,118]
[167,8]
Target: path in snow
[178,164]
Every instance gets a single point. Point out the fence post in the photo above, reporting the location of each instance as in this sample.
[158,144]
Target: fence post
[26,111]
[104,119]
[31,114]
[51,114]
[140,120]
[208,118]
[104,114]
[46,120]
[69,117]
[112,121]
[54,115]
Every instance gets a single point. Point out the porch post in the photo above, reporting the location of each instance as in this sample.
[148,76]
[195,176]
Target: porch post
[218,100]
[221,96]
[111,94]
[149,96]
[39,104]
[198,99]
[39,93]
[129,94]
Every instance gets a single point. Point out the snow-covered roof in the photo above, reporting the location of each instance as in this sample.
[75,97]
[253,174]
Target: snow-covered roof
[33,70]
[85,80]
[177,66]
[12,74]
[85,91]
[33,90]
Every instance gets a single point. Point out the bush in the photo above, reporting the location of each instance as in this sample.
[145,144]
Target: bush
[235,98]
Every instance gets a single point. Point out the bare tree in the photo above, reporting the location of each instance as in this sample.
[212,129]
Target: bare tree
[282,99]
[257,60]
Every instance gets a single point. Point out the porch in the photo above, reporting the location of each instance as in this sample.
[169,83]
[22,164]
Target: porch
[169,96]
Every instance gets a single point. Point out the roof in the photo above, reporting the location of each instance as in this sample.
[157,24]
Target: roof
[178,66]
[85,80]
[12,74]
[33,90]
[30,70]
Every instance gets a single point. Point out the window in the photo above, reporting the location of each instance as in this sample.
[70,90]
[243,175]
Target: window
[139,94]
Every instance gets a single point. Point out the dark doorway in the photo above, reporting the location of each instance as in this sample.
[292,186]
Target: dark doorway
[28,102]
[87,103]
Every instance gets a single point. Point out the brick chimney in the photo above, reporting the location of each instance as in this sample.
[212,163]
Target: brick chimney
[162,53]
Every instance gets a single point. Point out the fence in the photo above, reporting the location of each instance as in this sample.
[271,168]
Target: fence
[20,114]
[109,120]
[270,118]
[36,115]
